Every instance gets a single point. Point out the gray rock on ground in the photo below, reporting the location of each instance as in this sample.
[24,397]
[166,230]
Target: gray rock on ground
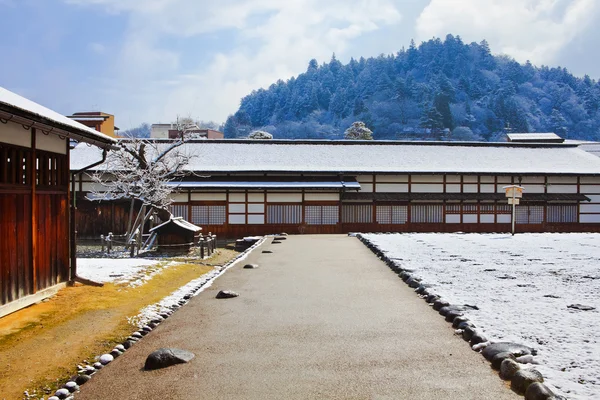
[226,294]
[508,369]
[166,357]
[105,359]
[499,357]
[250,266]
[538,391]
[81,379]
[581,307]
[523,378]
[62,393]
[506,347]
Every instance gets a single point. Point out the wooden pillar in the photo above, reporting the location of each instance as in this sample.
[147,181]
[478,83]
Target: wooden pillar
[34,244]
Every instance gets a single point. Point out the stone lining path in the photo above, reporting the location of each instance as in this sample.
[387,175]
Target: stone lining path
[322,318]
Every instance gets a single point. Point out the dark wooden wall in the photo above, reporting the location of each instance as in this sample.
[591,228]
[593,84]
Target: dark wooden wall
[95,218]
[34,220]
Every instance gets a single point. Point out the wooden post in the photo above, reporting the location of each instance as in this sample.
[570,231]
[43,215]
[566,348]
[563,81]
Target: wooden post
[102,242]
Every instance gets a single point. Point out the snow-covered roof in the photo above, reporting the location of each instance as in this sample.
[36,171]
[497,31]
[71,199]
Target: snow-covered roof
[279,156]
[266,185]
[534,137]
[179,221]
[14,106]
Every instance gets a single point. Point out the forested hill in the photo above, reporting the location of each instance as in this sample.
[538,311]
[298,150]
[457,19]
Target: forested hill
[439,90]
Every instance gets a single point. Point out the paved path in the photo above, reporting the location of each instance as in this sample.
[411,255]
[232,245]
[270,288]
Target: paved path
[322,318]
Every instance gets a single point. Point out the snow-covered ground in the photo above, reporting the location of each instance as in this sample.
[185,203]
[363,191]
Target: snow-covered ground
[523,286]
[131,271]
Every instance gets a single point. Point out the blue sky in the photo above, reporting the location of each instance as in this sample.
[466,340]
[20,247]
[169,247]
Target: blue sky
[152,60]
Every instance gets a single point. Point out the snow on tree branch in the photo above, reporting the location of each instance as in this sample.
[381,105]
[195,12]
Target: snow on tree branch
[358,131]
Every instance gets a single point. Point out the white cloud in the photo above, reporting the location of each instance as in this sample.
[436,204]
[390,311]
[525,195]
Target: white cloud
[533,30]
[273,40]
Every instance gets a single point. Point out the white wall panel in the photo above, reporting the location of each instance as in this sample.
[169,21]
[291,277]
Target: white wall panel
[256,208]
[237,197]
[391,178]
[589,208]
[256,197]
[486,218]
[51,143]
[209,196]
[91,187]
[453,188]
[237,219]
[427,188]
[594,198]
[237,208]
[469,178]
[256,219]
[504,179]
[452,178]
[590,188]
[533,189]
[562,179]
[366,187]
[322,196]
[284,197]
[364,178]
[589,218]
[563,189]
[179,197]
[470,188]
[488,188]
[470,218]
[532,179]
[12,133]
[504,218]
[590,179]
[453,218]
[427,178]
[486,179]
[391,187]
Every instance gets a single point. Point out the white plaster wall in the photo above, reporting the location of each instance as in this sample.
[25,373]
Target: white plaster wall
[590,188]
[237,219]
[237,197]
[533,189]
[452,178]
[504,218]
[256,208]
[486,179]
[179,197]
[486,218]
[453,188]
[469,178]
[237,208]
[589,218]
[256,219]
[563,189]
[391,187]
[391,178]
[427,178]
[322,196]
[594,198]
[470,218]
[427,188]
[364,178]
[453,218]
[209,196]
[366,187]
[504,179]
[91,187]
[256,197]
[562,179]
[470,188]
[488,188]
[590,179]
[284,197]
[532,179]
[589,208]
[50,143]
[12,133]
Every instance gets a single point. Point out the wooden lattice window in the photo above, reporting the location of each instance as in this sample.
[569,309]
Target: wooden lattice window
[284,214]
[561,213]
[209,215]
[180,210]
[529,215]
[469,208]
[486,208]
[15,165]
[321,215]
[452,208]
[427,213]
[357,213]
[393,215]
[503,209]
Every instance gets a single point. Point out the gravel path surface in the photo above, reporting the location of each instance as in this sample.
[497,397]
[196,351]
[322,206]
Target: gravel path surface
[320,318]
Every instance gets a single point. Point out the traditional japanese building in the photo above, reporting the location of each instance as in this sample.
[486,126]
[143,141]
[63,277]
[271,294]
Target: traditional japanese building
[35,253]
[244,187]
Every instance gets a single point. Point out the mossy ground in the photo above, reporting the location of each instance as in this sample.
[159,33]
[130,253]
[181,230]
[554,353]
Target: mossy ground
[40,346]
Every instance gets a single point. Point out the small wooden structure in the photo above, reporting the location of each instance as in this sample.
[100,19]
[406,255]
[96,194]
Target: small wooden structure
[176,234]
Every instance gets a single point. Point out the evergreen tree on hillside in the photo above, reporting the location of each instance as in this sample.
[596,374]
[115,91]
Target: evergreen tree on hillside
[463,84]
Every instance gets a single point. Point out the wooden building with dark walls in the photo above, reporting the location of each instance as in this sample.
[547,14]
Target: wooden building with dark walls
[239,188]
[35,199]
[176,235]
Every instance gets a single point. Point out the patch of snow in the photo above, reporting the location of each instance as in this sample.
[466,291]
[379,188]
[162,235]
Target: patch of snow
[522,285]
[131,271]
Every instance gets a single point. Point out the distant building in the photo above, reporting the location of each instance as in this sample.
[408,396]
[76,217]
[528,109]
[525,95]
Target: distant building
[102,122]
[171,131]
